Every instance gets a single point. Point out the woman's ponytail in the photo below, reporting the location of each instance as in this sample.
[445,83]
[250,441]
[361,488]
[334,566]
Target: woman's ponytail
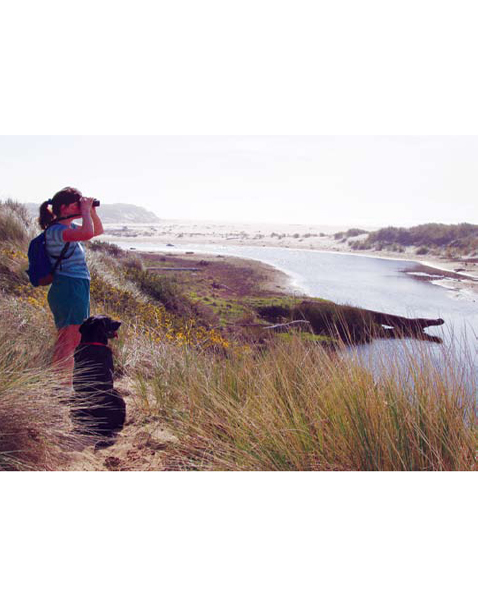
[65,196]
[46,215]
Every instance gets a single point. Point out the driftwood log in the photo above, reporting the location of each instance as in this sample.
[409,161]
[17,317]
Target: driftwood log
[174,269]
[299,324]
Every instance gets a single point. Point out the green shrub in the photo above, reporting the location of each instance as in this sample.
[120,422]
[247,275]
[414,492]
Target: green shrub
[422,250]
[107,248]
[131,261]
[464,236]
[158,287]
[349,233]
[359,245]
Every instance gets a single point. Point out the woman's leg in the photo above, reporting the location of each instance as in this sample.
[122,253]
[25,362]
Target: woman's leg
[67,340]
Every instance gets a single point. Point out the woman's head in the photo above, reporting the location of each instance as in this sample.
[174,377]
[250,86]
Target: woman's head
[65,197]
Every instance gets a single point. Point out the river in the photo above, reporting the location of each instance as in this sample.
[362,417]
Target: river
[373,283]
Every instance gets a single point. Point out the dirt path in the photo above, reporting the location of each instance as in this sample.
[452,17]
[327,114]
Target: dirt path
[142,445]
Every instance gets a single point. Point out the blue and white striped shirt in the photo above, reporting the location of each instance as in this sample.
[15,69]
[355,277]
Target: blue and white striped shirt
[73,266]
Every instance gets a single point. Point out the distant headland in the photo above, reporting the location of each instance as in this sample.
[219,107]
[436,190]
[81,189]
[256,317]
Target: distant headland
[113,213]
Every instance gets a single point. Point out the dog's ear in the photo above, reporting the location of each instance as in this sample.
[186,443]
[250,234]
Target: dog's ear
[113,325]
[103,323]
[86,325]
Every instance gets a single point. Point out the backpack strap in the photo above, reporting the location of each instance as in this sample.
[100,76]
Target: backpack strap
[61,257]
[62,253]
[63,219]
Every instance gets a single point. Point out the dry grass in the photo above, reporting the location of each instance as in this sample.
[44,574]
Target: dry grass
[15,224]
[299,407]
[35,430]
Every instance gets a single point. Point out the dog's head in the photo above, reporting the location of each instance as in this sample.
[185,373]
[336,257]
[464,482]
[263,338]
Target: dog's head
[98,329]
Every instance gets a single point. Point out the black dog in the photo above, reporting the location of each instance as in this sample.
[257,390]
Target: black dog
[101,410]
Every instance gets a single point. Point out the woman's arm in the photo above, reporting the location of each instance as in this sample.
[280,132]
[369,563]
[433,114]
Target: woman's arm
[86,231]
[97,224]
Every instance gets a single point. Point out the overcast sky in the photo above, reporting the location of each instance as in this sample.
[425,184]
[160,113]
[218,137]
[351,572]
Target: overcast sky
[331,180]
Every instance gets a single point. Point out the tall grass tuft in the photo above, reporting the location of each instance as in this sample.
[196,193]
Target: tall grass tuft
[15,224]
[299,407]
[35,429]
[35,432]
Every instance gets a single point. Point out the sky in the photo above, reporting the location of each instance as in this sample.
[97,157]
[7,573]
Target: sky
[369,181]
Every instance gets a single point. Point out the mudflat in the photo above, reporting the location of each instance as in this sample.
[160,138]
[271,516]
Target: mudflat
[226,276]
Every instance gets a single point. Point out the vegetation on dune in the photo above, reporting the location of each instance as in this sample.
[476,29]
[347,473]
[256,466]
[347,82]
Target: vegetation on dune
[354,232]
[35,432]
[235,395]
[309,408]
[451,240]
[15,223]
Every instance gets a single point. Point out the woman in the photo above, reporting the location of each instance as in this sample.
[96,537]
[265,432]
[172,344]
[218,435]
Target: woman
[69,294]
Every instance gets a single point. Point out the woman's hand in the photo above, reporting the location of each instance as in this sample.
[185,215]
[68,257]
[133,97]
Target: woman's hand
[86,231]
[86,205]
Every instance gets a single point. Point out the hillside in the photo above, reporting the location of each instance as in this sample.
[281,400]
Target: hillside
[113,213]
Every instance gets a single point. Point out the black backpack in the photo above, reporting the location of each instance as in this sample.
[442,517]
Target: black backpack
[40,270]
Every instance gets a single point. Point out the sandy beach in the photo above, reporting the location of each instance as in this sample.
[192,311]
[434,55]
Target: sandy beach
[460,273]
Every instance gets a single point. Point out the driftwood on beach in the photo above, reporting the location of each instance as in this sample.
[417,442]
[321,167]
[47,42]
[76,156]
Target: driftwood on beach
[174,269]
[298,324]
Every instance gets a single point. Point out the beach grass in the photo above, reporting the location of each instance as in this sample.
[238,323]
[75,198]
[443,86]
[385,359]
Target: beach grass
[301,406]
[35,430]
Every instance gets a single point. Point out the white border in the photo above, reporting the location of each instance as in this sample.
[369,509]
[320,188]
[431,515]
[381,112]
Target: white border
[259,67]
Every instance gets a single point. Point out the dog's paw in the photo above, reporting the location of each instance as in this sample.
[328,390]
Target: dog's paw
[104,444]
[154,440]
[123,391]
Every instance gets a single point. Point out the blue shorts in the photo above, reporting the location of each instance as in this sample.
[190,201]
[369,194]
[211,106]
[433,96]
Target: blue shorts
[69,300]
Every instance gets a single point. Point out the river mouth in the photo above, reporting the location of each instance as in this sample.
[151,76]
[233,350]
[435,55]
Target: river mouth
[390,286]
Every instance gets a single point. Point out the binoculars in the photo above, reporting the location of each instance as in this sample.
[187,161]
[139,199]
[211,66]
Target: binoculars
[95,202]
